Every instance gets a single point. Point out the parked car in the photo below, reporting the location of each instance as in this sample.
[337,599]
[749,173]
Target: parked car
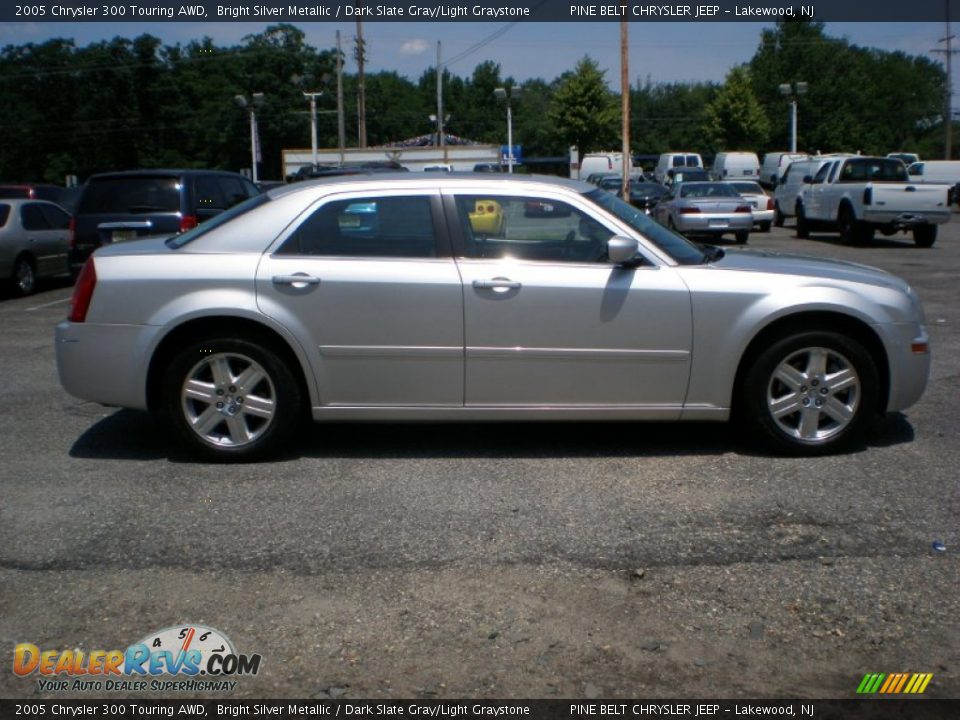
[944,172]
[907,158]
[32,191]
[671,161]
[787,192]
[761,204]
[736,166]
[645,195]
[242,327]
[35,240]
[123,206]
[488,167]
[775,164]
[306,172]
[710,209]
[676,176]
[602,163]
[440,167]
[859,195]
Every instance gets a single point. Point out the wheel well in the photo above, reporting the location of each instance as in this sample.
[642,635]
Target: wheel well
[29,258]
[212,327]
[814,321]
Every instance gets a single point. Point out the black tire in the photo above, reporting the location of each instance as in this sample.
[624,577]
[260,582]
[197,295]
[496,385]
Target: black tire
[803,227]
[847,225]
[765,227]
[24,279]
[788,419]
[778,217]
[925,235]
[232,432]
[742,236]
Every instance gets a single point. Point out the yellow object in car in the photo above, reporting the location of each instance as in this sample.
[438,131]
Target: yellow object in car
[487,218]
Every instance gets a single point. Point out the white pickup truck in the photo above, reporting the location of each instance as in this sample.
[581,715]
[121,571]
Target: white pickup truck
[860,195]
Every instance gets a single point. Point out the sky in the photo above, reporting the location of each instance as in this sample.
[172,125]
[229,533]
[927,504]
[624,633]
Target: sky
[662,52]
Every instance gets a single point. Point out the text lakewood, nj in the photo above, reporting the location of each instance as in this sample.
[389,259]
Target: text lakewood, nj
[688,11]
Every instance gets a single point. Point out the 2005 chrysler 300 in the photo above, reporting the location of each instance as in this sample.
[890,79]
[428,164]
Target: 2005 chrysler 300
[394,298]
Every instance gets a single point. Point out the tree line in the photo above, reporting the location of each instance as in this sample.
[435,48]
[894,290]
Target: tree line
[123,103]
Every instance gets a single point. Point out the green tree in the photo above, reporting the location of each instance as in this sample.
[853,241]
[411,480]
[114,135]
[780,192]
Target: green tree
[583,111]
[734,119]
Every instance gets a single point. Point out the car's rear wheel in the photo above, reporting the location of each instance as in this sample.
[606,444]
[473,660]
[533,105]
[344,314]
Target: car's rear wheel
[778,217]
[810,393]
[742,236]
[765,227]
[24,277]
[925,235]
[232,400]
[803,227]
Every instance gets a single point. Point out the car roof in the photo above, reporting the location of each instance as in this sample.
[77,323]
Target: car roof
[17,202]
[161,172]
[453,179]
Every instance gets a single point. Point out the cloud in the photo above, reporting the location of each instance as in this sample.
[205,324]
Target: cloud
[414,47]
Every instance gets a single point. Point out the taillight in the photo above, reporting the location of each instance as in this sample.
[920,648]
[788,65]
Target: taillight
[743,209]
[72,233]
[867,195]
[187,222]
[689,210]
[770,203]
[83,293]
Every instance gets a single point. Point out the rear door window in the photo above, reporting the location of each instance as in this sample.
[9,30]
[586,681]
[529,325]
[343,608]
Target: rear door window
[375,226]
[4,214]
[32,217]
[131,196]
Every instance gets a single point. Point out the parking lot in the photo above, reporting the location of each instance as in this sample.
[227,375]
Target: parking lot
[500,561]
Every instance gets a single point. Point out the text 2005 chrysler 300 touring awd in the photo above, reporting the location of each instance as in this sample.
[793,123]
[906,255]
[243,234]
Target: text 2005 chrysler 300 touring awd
[477,297]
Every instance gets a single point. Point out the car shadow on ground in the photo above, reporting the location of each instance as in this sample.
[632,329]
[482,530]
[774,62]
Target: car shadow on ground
[135,435]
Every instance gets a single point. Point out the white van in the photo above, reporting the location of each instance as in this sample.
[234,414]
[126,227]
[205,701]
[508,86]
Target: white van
[791,183]
[601,162]
[775,165]
[670,160]
[935,171]
[736,166]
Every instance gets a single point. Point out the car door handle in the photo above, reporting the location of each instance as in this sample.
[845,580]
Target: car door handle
[297,280]
[496,284]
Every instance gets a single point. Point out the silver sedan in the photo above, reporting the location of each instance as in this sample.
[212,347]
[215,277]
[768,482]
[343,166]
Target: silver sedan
[386,298]
[761,204]
[706,209]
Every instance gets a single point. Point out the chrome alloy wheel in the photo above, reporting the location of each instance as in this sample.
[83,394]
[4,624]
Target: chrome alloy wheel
[228,399]
[814,394]
[24,277]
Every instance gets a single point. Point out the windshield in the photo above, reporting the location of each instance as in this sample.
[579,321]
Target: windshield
[676,246]
[178,241]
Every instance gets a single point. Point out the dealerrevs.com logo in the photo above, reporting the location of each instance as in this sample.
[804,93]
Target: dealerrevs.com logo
[186,658]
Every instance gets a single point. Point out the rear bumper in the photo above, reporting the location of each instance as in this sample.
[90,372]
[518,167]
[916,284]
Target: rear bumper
[104,363]
[906,219]
[714,224]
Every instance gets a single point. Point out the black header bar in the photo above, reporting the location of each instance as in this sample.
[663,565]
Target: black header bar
[289,11]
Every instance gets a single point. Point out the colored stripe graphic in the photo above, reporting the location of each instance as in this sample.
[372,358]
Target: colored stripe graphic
[894,683]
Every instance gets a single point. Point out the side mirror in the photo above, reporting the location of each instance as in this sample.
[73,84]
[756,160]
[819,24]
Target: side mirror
[622,250]
[807,179]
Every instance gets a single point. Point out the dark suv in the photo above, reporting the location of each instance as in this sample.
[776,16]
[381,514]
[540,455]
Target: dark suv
[120,206]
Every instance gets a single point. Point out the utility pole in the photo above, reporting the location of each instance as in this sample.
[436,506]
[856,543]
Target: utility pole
[341,131]
[361,53]
[949,52]
[625,110]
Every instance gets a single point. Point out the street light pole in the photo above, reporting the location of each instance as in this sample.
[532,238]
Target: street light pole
[313,122]
[255,99]
[502,94]
[793,91]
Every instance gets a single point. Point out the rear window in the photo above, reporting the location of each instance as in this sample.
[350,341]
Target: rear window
[131,196]
[873,170]
[4,214]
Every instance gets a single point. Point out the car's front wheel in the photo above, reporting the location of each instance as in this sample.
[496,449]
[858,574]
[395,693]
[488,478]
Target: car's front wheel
[232,400]
[810,393]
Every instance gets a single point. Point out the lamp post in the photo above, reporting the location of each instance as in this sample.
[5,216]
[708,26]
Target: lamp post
[793,91]
[508,94]
[313,122]
[250,105]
